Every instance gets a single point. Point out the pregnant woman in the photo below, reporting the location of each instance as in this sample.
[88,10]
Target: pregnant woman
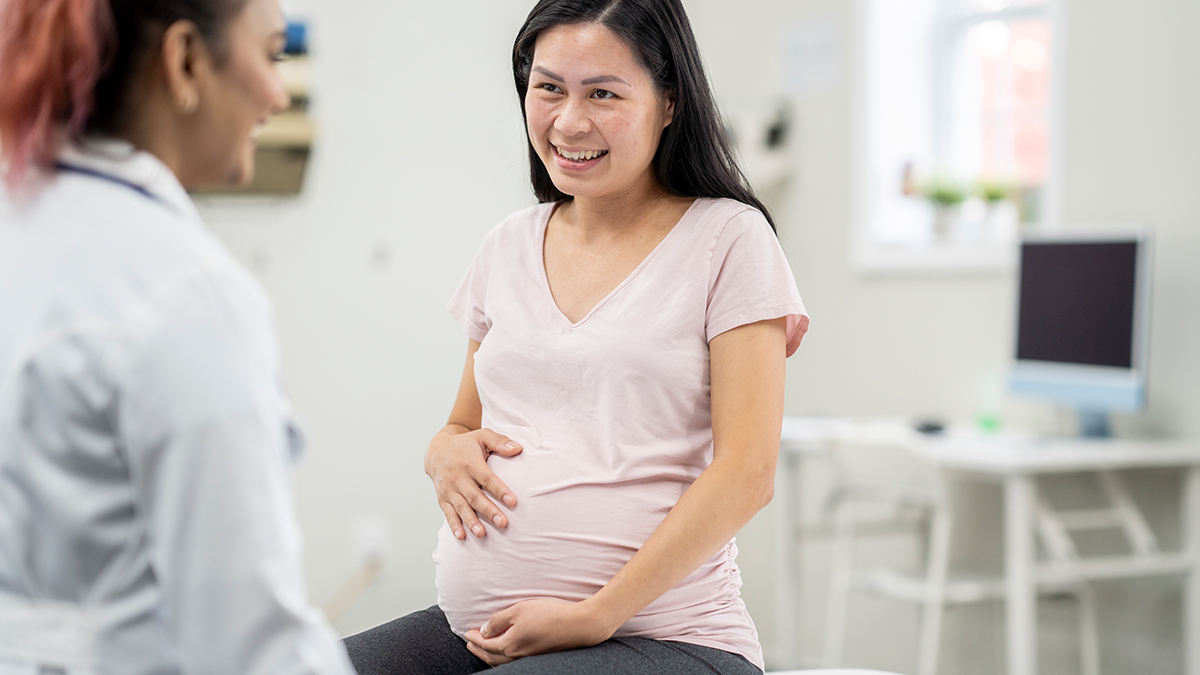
[623,390]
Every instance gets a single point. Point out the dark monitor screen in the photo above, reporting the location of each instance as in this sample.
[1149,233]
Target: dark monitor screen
[1076,302]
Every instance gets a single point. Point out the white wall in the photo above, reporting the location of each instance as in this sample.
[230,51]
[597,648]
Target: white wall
[1132,143]
[420,153]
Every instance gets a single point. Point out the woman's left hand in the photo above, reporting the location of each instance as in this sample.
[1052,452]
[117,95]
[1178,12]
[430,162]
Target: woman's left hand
[537,626]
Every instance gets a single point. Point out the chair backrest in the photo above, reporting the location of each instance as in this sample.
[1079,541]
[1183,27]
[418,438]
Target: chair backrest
[875,462]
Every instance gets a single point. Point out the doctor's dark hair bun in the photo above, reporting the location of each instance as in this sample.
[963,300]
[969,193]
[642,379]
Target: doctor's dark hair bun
[694,157]
[67,67]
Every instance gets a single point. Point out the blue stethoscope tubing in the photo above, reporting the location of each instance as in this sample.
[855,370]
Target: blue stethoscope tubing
[84,171]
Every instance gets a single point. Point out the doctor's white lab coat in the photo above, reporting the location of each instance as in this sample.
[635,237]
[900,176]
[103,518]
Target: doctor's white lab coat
[146,514]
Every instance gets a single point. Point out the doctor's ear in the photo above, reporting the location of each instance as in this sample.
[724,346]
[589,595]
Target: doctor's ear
[669,102]
[185,58]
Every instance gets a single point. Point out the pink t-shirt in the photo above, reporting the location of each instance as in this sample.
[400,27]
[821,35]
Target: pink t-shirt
[614,415]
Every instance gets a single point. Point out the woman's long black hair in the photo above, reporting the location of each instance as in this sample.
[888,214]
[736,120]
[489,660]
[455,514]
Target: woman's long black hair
[694,157]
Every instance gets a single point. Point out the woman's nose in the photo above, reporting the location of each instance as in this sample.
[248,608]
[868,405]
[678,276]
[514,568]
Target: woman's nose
[281,100]
[573,119]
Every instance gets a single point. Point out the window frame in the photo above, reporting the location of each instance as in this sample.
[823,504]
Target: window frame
[873,257]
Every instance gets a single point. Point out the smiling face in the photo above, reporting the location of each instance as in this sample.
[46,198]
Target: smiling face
[593,114]
[239,97]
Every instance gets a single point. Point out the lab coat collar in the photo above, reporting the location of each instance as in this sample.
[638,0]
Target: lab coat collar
[122,163]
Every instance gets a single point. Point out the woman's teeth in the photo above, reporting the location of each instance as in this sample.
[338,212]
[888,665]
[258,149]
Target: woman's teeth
[580,156]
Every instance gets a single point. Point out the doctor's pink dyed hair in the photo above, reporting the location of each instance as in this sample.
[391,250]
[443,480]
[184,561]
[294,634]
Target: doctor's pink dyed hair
[67,67]
[51,52]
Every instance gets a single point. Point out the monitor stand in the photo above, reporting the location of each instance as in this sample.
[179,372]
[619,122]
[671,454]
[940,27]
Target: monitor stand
[1093,424]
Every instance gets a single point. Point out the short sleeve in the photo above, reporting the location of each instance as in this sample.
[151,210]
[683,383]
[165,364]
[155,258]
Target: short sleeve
[750,280]
[468,305]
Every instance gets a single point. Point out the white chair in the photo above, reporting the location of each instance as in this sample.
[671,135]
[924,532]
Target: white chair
[874,466]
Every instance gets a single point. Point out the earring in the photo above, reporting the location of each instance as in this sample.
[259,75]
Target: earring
[188,105]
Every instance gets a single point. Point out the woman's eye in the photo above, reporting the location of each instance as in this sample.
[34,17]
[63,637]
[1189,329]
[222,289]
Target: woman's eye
[548,87]
[603,93]
[279,57]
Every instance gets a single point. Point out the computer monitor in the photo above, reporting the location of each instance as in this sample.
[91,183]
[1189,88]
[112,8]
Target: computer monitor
[1083,320]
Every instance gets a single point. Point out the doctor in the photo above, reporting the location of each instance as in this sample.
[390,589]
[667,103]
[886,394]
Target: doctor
[146,518]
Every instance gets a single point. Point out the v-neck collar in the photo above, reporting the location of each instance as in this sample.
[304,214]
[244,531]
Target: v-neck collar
[541,264]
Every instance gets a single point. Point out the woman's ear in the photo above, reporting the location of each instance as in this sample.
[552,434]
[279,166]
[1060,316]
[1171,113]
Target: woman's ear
[669,110]
[184,56]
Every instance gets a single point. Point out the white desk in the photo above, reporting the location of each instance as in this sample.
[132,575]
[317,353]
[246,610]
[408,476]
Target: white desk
[1016,464]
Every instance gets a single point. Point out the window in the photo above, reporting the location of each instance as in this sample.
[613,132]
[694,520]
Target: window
[955,104]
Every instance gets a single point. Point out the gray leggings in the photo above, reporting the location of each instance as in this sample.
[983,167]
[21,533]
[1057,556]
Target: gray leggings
[423,644]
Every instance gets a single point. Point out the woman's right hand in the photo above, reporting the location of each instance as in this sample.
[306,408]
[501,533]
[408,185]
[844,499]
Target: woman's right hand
[457,463]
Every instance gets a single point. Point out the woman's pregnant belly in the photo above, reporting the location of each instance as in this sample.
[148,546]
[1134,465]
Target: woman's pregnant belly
[568,535]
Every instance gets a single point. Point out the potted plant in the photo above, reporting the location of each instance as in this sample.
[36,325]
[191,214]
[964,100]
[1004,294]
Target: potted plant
[997,197]
[993,192]
[946,196]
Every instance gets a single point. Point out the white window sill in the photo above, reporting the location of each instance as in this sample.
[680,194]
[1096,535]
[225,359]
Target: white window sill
[937,259]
